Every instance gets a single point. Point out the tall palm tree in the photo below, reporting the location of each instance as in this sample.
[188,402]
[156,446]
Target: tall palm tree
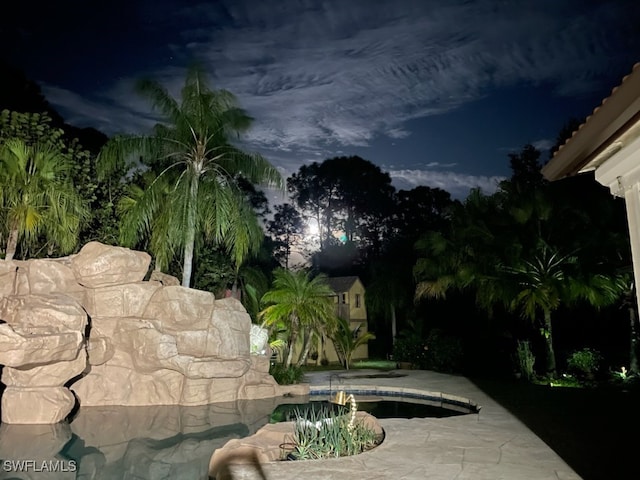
[37,196]
[303,304]
[549,280]
[192,149]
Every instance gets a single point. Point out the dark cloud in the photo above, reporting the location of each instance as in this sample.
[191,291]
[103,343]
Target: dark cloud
[321,77]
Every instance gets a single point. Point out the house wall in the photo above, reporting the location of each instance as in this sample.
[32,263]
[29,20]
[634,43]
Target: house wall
[350,306]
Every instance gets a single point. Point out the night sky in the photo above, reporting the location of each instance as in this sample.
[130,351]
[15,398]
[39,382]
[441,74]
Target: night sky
[436,92]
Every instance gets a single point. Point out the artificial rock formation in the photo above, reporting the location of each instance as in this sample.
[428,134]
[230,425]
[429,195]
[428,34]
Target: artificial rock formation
[41,348]
[130,342]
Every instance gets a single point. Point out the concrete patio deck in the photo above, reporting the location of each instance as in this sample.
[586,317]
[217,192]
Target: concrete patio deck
[490,445]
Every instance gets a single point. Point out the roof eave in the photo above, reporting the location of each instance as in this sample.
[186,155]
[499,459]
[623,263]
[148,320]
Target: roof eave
[617,114]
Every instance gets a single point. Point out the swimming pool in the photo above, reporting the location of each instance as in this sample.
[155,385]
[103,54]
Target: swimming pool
[168,442]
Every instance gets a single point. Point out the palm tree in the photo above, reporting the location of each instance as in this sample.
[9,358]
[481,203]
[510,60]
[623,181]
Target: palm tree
[550,279]
[346,342]
[37,196]
[303,304]
[191,149]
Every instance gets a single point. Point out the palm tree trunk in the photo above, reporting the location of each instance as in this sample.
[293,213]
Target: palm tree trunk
[305,350]
[548,337]
[394,328]
[190,234]
[12,245]
[292,345]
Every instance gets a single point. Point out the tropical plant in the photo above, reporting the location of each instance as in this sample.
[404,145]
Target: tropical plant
[286,375]
[191,150]
[325,433]
[584,363]
[549,279]
[37,196]
[347,341]
[301,304]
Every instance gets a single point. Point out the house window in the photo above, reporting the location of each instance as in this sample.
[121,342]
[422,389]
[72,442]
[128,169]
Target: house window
[344,298]
[358,300]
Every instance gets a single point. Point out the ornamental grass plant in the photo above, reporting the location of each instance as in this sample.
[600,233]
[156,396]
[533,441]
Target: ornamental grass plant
[324,433]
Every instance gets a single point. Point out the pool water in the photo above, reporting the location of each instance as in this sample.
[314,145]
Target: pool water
[380,409]
[142,443]
[163,442]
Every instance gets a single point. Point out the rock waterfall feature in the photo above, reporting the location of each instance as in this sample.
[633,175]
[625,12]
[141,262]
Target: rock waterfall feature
[87,328]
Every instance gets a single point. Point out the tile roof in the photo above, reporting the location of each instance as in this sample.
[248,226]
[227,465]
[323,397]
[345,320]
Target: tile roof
[611,119]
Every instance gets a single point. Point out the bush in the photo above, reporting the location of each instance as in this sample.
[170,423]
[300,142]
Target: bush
[584,363]
[286,376]
[411,349]
[444,353]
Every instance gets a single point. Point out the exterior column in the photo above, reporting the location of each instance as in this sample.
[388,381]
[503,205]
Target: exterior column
[632,201]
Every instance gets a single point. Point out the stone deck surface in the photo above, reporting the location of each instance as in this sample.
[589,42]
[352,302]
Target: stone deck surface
[491,445]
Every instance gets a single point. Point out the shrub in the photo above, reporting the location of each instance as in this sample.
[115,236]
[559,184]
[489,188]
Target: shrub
[411,349]
[584,363]
[444,353]
[286,376]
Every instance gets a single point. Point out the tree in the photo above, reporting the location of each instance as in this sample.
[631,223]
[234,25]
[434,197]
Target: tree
[504,249]
[546,281]
[37,196]
[349,196]
[346,341]
[193,151]
[286,227]
[304,305]
[314,194]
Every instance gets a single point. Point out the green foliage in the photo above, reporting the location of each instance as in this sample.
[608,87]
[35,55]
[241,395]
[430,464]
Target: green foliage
[584,363]
[444,352]
[300,304]
[323,433]
[525,359]
[345,341]
[411,349]
[196,168]
[286,375]
[531,247]
[38,199]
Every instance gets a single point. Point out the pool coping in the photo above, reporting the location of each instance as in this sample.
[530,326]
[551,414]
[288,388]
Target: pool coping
[437,399]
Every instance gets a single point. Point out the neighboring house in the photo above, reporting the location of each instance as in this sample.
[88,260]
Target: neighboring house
[608,142]
[349,301]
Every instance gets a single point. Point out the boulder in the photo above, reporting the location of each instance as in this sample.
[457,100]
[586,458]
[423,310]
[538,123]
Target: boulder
[40,330]
[33,405]
[50,375]
[128,300]
[98,265]
[165,279]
